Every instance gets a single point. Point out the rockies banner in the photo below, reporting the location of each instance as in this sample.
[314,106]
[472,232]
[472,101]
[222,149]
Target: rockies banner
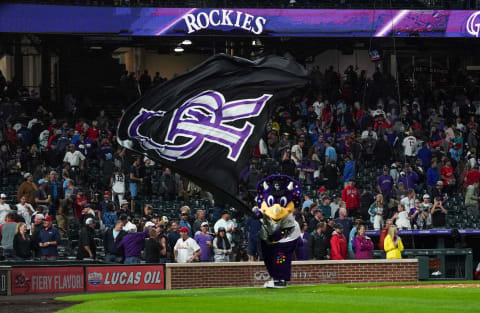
[204,124]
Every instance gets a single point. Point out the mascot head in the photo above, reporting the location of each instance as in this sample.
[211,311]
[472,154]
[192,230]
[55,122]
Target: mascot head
[277,197]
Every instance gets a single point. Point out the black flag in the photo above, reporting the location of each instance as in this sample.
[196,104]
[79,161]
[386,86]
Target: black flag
[205,124]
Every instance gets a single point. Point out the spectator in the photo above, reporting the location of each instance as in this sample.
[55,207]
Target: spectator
[41,197]
[135,178]
[109,218]
[301,252]
[376,212]
[425,154]
[86,242]
[330,153]
[252,228]
[472,176]
[385,184]
[173,235]
[111,239]
[325,208]
[199,221]
[420,215]
[318,243]
[338,243]
[168,185]
[226,223]
[317,217]
[204,241]
[393,245]
[432,177]
[53,191]
[27,189]
[348,170]
[4,208]
[409,147]
[221,246]
[438,213]
[401,218]
[297,153]
[132,244]
[48,239]
[384,233]
[153,248]
[447,174]
[363,244]
[24,210]
[351,239]
[472,199]
[409,201]
[8,230]
[81,202]
[117,182]
[184,216]
[186,249]
[22,243]
[351,197]
[332,172]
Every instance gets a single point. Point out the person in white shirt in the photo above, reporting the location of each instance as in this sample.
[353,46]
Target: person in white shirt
[297,153]
[117,181]
[25,210]
[401,218]
[73,157]
[226,223]
[409,145]
[369,133]
[318,106]
[4,208]
[186,249]
[409,201]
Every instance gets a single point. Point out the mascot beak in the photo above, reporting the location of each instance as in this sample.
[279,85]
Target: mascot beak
[276,212]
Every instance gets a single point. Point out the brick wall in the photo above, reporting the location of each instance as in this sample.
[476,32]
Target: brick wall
[211,275]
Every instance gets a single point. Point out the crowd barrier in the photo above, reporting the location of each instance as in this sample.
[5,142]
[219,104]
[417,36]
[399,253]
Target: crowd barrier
[77,278]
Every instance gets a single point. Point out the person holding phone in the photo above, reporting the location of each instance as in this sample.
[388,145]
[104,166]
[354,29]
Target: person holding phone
[393,245]
[438,213]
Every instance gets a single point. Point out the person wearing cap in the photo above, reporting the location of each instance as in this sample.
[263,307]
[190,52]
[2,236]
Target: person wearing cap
[385,183]
[86,240]
[338,244]
[186,250]
[132,244]
[48,239]
[4,208]
[221,246]
[184,219]
[111,239]
[27,188]
[204,240]
[41,197]
[54,191]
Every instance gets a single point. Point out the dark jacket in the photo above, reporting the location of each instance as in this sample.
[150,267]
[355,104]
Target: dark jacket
[152,251]
[23,248]
[110,244]
[86,238]
[317,246]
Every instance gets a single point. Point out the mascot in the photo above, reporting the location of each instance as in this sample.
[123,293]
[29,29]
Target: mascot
[277,198]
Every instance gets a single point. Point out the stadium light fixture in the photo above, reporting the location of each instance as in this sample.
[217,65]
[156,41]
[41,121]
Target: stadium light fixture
[178,49]
[186,42]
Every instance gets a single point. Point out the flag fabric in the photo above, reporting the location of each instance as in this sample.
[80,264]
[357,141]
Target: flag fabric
[205,123]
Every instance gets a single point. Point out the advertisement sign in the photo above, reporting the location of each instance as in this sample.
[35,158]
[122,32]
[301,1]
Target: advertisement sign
[30,18]
[113,278]
[47,279]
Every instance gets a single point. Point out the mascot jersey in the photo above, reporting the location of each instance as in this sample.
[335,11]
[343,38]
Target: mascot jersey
[277,198]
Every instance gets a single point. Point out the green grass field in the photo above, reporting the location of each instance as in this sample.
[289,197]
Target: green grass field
[353,298]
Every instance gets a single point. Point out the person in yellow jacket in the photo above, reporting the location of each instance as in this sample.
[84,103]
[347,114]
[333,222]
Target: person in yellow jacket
[393,245]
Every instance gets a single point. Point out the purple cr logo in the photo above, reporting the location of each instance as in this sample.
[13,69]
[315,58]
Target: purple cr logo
[202,118]
[473,24]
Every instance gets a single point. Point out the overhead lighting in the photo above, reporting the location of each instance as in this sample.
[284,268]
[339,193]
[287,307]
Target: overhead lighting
[186,42]
[178,49]
[95,48]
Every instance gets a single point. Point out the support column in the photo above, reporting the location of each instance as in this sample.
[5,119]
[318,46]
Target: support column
[45,81]
[18,62]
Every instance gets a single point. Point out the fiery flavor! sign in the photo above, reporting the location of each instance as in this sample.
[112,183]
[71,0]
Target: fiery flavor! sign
[111,278]
[47,279]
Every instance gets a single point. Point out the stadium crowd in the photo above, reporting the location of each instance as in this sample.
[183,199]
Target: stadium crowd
[342,130]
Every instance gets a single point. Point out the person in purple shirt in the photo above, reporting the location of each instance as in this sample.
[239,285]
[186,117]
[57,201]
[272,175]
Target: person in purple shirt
[408,178]
[385,183]
[301,252]
[204,240]
[363,244]
[132,245]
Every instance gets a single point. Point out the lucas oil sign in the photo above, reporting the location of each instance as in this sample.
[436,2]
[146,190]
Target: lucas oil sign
[111,278]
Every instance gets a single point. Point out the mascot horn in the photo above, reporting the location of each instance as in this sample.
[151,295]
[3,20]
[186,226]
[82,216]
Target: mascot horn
[277,198]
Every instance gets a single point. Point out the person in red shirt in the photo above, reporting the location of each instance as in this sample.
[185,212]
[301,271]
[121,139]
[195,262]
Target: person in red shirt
[80,203]
[338,244]
[448,176]
[472,175]
[351,197]
[93,131]
[384,233]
